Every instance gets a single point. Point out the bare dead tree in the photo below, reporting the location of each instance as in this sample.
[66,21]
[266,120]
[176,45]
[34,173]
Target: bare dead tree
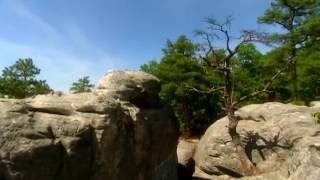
[221,32]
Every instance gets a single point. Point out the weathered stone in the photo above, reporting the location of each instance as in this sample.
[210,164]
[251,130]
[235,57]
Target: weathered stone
[185,152]
[97,136]
[139,88]
[315,103]
[282,140]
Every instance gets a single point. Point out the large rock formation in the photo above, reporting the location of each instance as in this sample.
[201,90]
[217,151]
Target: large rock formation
[283,140]
[185,152]
[118,132]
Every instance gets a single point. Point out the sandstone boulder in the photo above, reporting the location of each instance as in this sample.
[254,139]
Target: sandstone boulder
[118,132]
[282,140]
[315,103]
[186,163]
[137,87]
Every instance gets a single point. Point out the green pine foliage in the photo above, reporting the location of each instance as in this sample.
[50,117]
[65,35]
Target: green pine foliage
[82,85]
[187,83]
[180,72]
[248,72]
[300,21]
[19,80]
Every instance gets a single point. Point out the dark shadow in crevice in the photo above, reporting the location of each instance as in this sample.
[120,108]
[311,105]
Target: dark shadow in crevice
[185,172]
[229,172]
[2,173]
[199,178]
[54,111]
[145,101]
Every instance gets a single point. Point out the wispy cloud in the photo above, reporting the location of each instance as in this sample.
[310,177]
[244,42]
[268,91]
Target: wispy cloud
[60,68]
[66,54]
[22,11]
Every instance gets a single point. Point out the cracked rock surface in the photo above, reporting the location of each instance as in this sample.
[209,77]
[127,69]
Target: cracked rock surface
[119,131]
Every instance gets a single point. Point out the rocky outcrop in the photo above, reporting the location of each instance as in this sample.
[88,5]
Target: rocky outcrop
[118,132]
[185,152]
[315,103]
[282,140]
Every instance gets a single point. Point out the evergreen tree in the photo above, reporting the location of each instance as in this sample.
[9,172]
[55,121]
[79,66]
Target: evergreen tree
[150,67]
[181,73]
[291,15]
[82,85]
[19,80]
[248,72]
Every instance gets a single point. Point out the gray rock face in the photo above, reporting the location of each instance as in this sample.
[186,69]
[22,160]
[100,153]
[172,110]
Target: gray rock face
[283,140]
[118,132]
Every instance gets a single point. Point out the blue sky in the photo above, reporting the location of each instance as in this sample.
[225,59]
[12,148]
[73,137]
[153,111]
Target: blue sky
[68,39]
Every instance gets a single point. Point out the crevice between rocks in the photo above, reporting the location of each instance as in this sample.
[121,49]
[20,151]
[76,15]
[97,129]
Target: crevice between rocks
[54,111]
[229,172]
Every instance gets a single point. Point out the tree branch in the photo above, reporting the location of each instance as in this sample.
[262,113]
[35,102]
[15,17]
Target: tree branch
[211,90]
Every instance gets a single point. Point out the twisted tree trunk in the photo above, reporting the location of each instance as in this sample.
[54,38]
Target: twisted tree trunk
[247,165]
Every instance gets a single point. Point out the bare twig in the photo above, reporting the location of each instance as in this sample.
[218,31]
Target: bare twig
[253,94]
[209,91]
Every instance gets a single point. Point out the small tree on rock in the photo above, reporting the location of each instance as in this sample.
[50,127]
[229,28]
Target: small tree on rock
[225,65]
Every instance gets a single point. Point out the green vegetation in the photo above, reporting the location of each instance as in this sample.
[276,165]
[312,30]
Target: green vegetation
[299,19]
[19,80]
[206,79]
[289,72]
[316,117]
[181,73]
[249,72]
[82,85]
[193,72]
[214,76]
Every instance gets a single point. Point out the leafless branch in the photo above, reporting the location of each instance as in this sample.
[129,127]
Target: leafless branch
[222,28]
[207,37]
[253,94]
[217,28]
[209,91]
[247,36]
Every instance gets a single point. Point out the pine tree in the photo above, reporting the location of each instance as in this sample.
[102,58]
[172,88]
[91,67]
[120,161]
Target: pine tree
[19,80]
[82,85]
[290,15]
